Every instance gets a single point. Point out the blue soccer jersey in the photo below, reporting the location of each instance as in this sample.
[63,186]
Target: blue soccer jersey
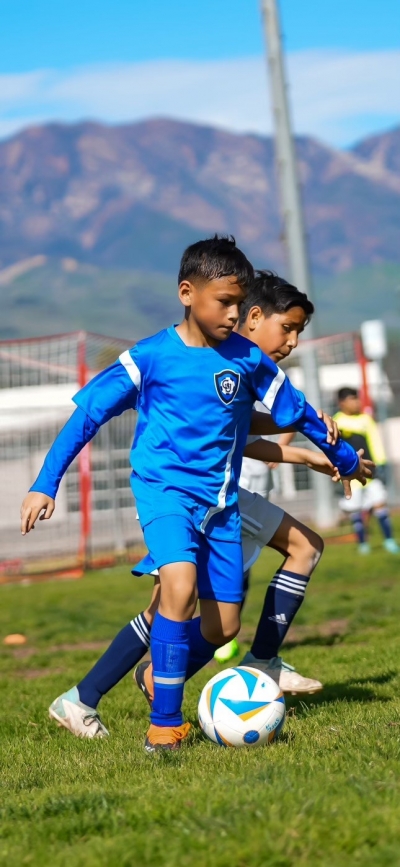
[194,410]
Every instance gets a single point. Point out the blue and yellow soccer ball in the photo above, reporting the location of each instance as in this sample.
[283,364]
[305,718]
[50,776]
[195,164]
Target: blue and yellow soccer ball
[241,707]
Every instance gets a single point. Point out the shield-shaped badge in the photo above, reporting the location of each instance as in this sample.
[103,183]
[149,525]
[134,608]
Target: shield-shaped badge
[227,385]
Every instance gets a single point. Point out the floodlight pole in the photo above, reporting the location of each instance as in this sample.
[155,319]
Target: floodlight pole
[294,231]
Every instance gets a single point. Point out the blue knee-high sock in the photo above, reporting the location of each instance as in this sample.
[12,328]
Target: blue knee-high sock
[128,648]
[358,526]
[169,646]
[201,651]
[385,522]
[284,596]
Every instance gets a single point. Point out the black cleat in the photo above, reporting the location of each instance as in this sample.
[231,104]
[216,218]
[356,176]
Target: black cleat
[139,676]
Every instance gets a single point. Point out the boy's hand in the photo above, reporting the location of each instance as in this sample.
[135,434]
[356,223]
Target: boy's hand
[34,504]
[362,474]
[331,426]
[319,462]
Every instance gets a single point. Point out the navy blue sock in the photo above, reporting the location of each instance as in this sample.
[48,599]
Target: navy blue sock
[169,646]
[358,526]
[200,650]
[385,522]
[128,648]
[282,602]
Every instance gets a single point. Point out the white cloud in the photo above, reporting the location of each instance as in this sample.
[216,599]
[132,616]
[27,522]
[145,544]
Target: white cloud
[336,96]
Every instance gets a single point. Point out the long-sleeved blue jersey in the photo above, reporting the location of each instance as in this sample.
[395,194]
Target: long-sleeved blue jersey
[194,410]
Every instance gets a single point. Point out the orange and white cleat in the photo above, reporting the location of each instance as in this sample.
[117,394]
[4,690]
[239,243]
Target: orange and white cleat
[160,738]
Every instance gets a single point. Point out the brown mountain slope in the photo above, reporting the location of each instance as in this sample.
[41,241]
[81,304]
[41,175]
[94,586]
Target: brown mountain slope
[132,196]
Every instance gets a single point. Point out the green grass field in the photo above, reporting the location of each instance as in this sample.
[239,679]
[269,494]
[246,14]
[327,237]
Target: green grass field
[327,793]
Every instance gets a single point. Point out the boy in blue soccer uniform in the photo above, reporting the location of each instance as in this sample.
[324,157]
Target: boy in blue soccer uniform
[193,387]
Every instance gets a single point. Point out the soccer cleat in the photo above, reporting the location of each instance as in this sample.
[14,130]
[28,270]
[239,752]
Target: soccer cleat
[143,677]
[391,546]
[227,652]
[81,720]
[160,738]
[289,680]
[364,548]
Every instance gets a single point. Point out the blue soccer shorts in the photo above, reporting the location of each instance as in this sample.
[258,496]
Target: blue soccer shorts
[175,539]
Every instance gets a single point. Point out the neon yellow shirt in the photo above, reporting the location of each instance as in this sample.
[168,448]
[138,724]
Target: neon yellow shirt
[362,432]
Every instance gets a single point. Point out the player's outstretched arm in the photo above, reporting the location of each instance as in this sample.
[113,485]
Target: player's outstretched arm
[274,453]
[262,424]
[34,506]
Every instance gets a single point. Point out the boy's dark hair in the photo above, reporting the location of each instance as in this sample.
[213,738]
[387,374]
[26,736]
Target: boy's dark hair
[346,391]
[273,294]
[216,257]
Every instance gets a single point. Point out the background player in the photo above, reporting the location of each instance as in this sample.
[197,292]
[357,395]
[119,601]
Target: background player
[359,429]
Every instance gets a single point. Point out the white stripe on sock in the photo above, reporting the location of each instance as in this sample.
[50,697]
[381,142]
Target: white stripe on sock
[168,680]
[145,639]
[289,578]
[144,625]
[286,589]
[296,584]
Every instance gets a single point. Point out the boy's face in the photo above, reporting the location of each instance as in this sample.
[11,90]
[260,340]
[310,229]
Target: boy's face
[214,305]
[351,405]
[277,334]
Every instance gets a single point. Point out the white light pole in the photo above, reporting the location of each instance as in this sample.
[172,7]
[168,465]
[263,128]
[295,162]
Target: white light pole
[294,231]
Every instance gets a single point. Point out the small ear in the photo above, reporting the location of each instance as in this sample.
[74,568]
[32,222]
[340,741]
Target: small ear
[253,317]
[185,293]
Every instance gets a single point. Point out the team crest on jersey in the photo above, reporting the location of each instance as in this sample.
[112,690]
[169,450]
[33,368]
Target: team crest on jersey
[227,385]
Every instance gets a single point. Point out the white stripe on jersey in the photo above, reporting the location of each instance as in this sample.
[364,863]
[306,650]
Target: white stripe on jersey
[270,395]
[221,502]
[131,368]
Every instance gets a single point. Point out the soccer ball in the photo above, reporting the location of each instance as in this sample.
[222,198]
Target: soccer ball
[241,707]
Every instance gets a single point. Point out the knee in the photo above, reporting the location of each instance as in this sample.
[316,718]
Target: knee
[220,634]
[313,550]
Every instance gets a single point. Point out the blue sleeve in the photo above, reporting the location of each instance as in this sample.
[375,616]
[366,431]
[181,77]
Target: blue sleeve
[342,455]
[78,431]
[289,407]
[113,390]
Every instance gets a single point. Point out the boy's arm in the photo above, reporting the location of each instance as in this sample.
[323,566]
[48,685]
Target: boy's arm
[262,424]
[289,407]
[268,452]
[78,431]
[109,394]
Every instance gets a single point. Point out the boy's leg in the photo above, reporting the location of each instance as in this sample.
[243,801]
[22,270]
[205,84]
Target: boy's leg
[231,649]
[360,531]
[220,573]
[354,508]
[389,543]
[302,549]
[124,652]
[76,709]
[170,653]
[375,499]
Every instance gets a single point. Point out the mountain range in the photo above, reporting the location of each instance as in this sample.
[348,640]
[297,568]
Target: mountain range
[93,220]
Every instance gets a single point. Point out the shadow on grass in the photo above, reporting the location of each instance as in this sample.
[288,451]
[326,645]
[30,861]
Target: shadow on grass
[351,691]
[315,641]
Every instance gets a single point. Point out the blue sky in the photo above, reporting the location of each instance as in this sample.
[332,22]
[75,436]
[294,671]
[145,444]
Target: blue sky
[200,60]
